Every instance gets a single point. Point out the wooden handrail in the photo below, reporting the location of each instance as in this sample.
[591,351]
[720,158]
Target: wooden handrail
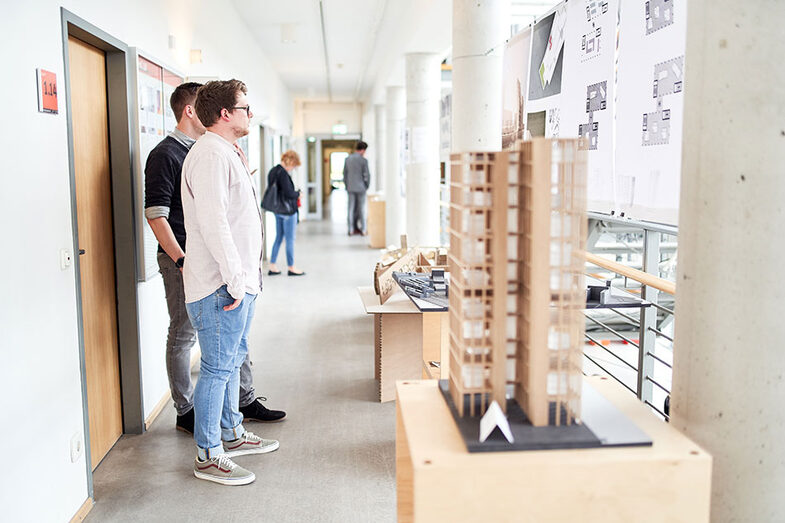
[639,276]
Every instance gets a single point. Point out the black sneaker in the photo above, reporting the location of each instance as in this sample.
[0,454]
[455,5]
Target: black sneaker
[255,411]
[185,422]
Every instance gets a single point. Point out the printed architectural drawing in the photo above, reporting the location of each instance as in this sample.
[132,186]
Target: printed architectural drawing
[595,8]
[659,14]
[668,79]
[596,100]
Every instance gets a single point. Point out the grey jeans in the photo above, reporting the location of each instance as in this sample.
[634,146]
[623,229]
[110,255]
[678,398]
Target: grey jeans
[181,337]
[356,212]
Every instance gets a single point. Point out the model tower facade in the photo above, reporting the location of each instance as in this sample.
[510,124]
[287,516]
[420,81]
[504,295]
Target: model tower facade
[517,239]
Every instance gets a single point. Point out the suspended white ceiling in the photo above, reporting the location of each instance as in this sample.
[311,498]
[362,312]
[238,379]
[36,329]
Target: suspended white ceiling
[365,39]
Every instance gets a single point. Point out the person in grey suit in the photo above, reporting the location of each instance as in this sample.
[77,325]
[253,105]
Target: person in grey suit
[357,179]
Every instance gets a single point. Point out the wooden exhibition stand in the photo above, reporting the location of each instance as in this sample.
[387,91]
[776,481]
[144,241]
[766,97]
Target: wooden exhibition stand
[376,222]
[405,339]
[438,480]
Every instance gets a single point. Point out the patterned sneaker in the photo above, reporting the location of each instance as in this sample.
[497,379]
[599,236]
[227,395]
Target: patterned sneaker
[223,470]
[249,443]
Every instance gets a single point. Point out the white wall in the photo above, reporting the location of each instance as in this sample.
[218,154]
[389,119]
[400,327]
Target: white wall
[40,398]
[319,117]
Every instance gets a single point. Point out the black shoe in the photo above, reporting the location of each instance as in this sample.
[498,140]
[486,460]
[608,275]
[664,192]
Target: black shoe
[292,273]
[255,411]
[273,273]
[185,422]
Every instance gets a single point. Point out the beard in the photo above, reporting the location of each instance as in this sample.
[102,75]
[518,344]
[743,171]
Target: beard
[239,132]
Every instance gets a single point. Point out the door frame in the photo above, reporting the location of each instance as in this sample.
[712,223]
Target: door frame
[124,229]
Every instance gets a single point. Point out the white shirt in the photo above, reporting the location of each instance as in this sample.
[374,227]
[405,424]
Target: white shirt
[223,222]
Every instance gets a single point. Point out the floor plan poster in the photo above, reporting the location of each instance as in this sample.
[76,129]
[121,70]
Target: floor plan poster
[587,99]
[514,84]
[650,101]
[545,70]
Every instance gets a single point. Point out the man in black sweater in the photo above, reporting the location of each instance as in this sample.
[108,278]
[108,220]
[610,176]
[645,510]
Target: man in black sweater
[164,213]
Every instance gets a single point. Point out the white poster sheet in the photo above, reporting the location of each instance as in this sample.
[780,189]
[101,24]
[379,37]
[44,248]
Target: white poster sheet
[650,108]
[587,99]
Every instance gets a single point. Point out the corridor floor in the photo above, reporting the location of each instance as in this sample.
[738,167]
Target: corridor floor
[311,347]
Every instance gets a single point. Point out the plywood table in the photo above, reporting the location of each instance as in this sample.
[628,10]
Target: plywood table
[405,339]
[438,480]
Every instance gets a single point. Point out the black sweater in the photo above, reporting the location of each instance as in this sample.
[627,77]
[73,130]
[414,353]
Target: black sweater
[162,183]
[285,185]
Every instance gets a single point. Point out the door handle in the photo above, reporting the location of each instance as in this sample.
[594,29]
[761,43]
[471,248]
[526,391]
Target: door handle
[81,252]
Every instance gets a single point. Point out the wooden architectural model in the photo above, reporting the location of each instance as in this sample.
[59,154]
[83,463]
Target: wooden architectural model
[518,229]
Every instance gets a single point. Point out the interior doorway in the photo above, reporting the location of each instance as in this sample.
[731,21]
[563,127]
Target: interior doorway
[89,113]
[98,110]
[334,198]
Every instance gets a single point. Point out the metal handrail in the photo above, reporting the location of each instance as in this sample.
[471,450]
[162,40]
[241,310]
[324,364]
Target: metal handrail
[660,333]
[633,367]
[608,373]
[628,340]
[650,379]
[659,359]
[648,326]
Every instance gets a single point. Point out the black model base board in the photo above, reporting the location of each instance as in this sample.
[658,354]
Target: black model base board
[603,425]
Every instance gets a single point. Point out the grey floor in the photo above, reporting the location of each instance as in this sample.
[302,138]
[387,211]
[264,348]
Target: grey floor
[311,345]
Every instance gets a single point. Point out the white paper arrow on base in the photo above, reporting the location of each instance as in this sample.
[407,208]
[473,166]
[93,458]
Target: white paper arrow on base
[493,418]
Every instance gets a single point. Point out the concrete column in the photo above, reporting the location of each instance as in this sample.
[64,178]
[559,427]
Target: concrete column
[395,204]
[379,124]
[423,97]
[729,361]
[479,30]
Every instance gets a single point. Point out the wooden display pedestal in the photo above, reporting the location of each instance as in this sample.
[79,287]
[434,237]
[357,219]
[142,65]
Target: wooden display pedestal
[376,222]
[438,480]
[405,340]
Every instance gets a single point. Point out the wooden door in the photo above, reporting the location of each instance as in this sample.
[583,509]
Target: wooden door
[87,66]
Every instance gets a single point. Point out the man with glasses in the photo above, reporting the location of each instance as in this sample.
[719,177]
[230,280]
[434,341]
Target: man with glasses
[222,278]
[164,213]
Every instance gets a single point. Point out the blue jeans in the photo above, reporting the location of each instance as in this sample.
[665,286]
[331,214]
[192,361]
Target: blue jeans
[285,226]
[223,338]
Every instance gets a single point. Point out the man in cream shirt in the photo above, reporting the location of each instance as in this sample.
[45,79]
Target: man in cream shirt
[222,277]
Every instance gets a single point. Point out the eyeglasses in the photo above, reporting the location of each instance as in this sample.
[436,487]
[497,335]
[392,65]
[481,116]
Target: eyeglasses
[246,108]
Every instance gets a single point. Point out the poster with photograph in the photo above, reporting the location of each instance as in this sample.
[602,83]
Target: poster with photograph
[545,73]
[514,86]
[155,120]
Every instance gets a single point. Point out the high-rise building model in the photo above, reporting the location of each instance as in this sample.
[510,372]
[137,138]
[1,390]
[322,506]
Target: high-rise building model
[517,240]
